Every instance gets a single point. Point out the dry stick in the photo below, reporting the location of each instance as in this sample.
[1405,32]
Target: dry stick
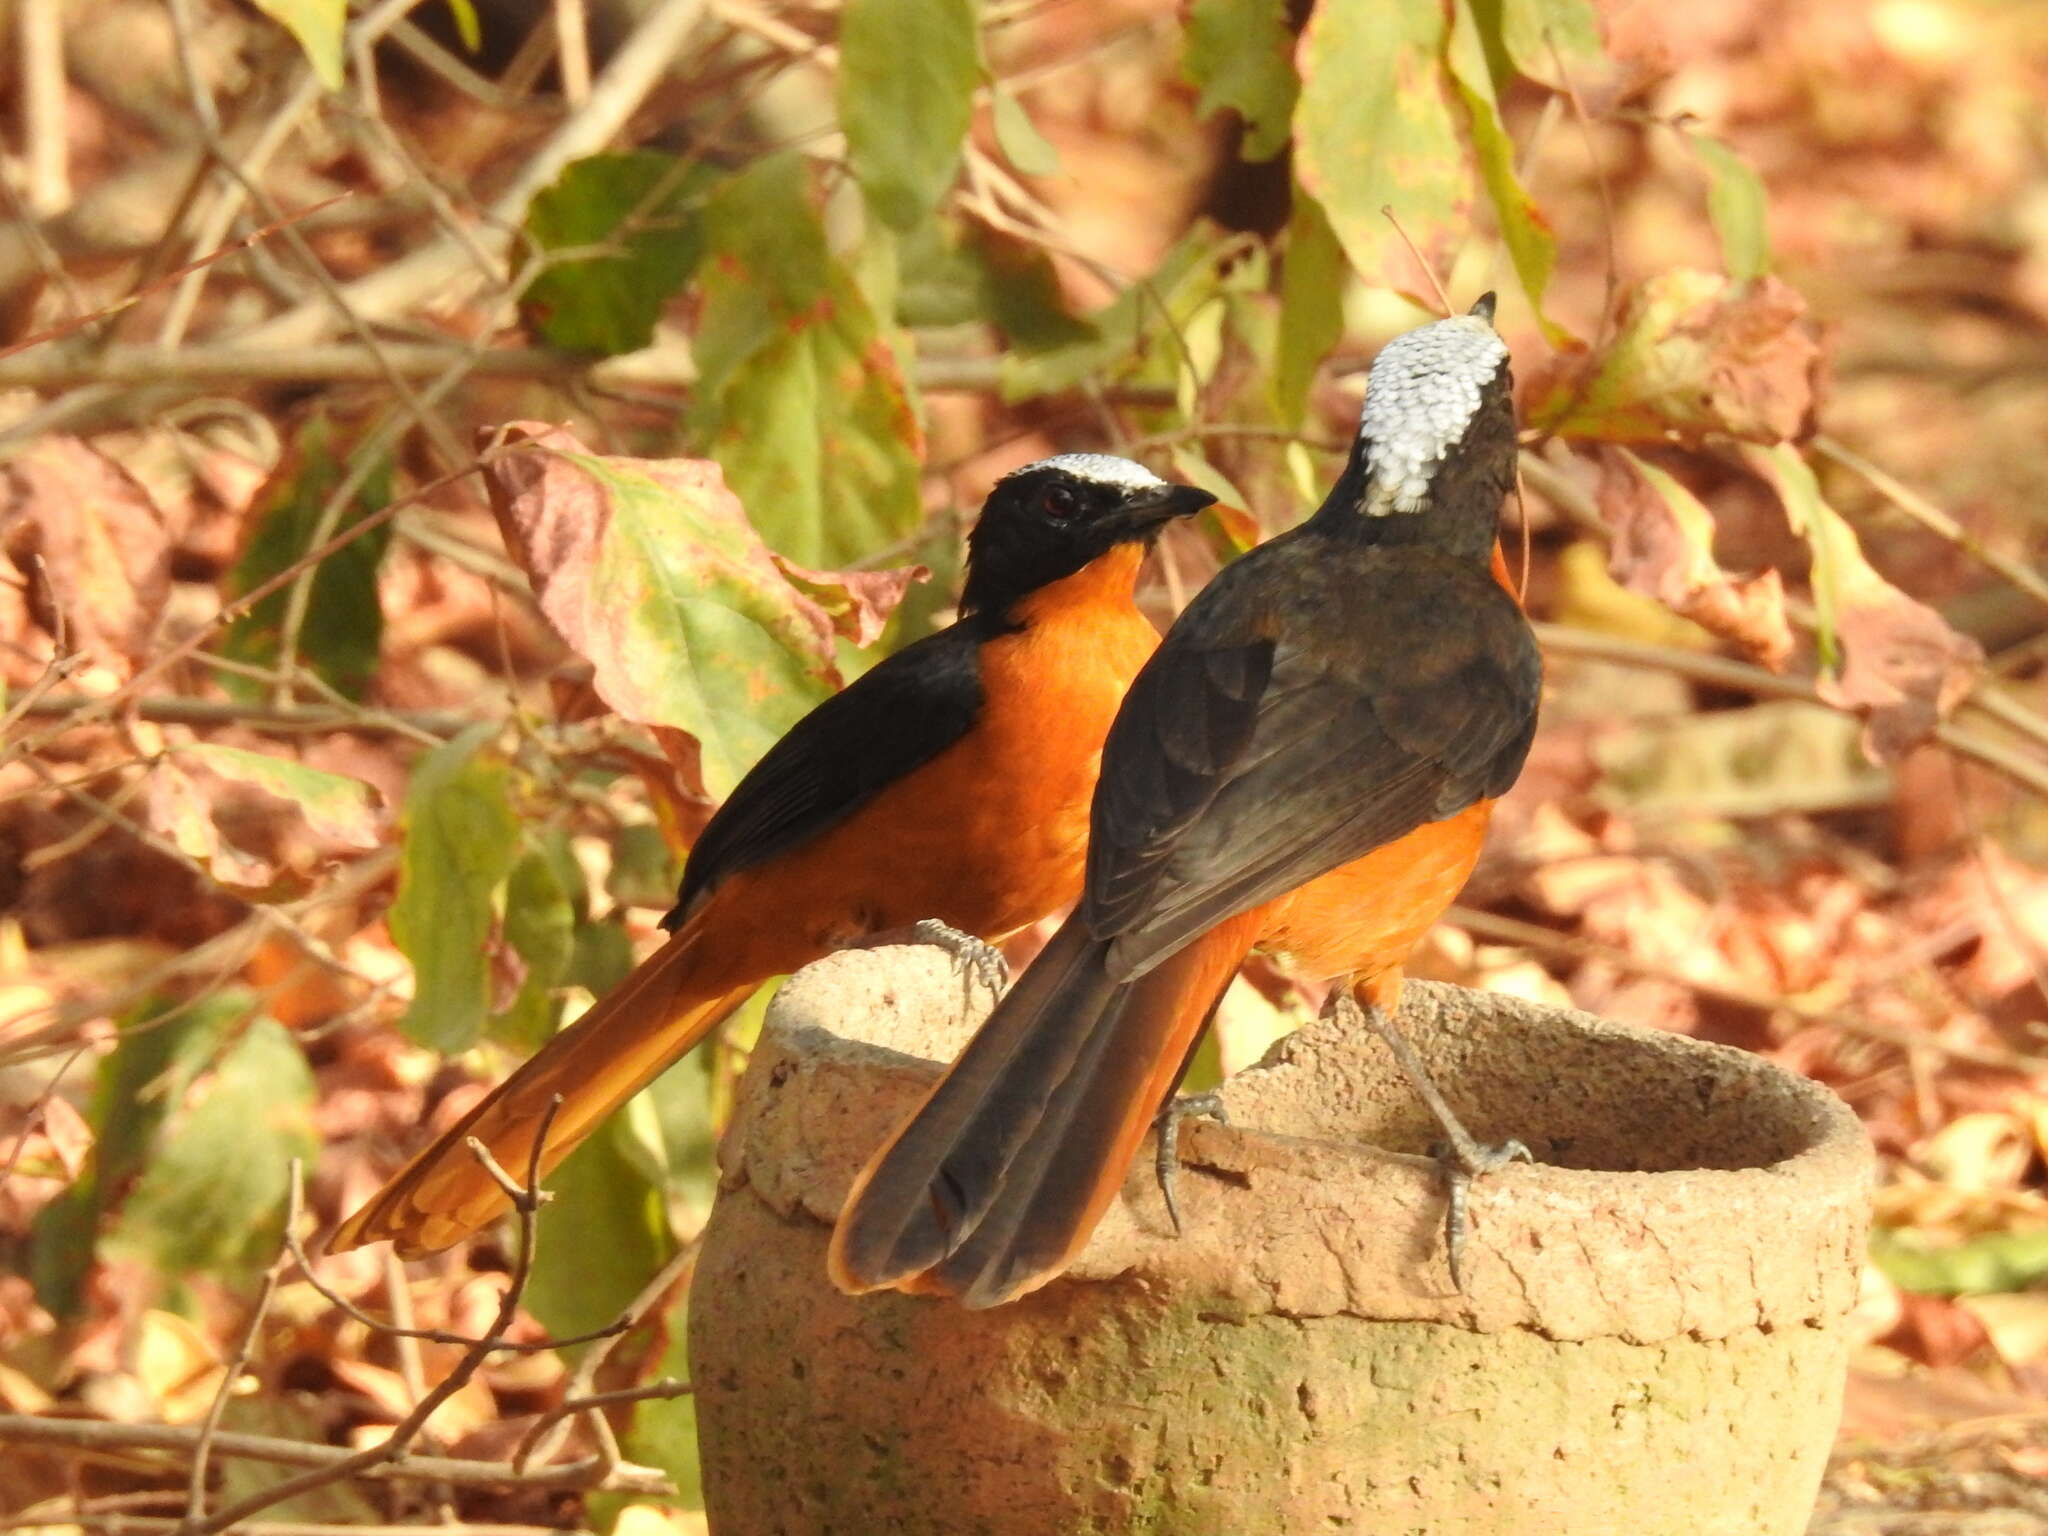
[99,1435]
[526,1201]
[173,710]
[39,69]
[392,1330]
[1992,701]
[77,322]
[651,1295]
[1510,930]
[1741,677]
[1936,521]
[202,1450]
[664,1390]
[120,1525]
[101,707]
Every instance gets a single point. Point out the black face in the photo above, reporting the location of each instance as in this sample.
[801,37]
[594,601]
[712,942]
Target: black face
[1049,520]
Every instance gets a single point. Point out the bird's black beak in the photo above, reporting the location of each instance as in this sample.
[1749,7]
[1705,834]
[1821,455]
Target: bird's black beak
[1484,308]
[1158,505]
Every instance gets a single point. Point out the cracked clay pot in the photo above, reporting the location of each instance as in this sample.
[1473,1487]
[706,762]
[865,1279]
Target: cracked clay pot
[1651,1342]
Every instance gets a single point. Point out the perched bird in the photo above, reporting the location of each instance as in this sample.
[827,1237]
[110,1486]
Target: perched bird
[946,789]
[1308,763]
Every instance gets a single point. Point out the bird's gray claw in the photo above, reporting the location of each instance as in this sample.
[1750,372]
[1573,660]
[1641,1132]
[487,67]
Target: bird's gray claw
[1166,1165]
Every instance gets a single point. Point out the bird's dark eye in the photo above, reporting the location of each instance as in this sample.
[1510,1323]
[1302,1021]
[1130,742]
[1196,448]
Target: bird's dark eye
[1061,501]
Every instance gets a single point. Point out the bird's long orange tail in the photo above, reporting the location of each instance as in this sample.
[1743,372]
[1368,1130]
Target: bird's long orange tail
[635,1032]
[990,1189]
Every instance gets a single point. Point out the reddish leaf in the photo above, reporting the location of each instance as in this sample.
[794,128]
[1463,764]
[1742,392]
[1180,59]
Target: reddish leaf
[92,545]
[1664,548]
[1696,353]
[650,570]
[858,602]
[1902,666]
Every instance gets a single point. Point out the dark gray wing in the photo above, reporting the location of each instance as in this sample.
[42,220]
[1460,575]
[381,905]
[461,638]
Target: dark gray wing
[1257,751]
[893,718]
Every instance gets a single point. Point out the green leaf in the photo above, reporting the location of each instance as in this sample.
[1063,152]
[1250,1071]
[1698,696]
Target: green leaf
[1739,207]
[1019,139]
[212,1196]
[162,1047]
[317,24]
[1555,42]
[467,27]
[1121,331]
[1532,245]
[335,805]
[601,1238]
[1019,293]
[1994,1263]
[629,225]
[643,871]
[651,571]
[802,399]
[907,74]
[1312,275]
[1374,131]
[540,925]
[343,625]
[459,838]
[1240,55]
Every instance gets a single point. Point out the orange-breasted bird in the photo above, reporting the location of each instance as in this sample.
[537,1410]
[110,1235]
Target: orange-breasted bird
[1308,763]
[947,788]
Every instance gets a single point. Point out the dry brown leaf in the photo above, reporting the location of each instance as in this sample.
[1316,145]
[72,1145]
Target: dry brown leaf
[858,602]
[1664,548]
[1904,667]
[92,545]
[1696,353]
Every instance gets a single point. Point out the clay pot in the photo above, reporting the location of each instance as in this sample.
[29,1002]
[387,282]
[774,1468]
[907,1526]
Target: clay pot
[1651,1339]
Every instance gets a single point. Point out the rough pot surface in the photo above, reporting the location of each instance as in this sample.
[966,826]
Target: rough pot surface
[1650,1342]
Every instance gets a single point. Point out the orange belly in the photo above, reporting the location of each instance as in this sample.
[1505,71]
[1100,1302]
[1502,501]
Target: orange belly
[1362,919]
[989,836]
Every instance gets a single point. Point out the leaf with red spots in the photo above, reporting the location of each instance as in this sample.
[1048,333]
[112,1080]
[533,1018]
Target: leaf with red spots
[650,570]
[1697,353]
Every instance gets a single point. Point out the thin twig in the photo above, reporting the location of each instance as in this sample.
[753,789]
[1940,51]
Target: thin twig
[526,1201]
[170,709]
[209,1427]
[179,1439]
[657,1391]
[1934,520]
[584,1377]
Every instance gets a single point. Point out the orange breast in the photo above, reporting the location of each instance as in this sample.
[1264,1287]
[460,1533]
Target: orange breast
[1362,918]
[990,835]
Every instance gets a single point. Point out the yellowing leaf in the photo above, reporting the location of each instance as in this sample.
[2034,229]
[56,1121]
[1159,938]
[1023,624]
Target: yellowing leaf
[1664,548]
[1901,664]
[317,24]
[459,840]
[1532,245]
[1374,130]
[1695,353]
[803,397]
[1738,205]
[334,805]
[907,74]
[651,571]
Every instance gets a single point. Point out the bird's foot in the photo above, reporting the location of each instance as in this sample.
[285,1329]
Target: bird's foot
[1461,1155]
[1182,1106]
[976,961]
